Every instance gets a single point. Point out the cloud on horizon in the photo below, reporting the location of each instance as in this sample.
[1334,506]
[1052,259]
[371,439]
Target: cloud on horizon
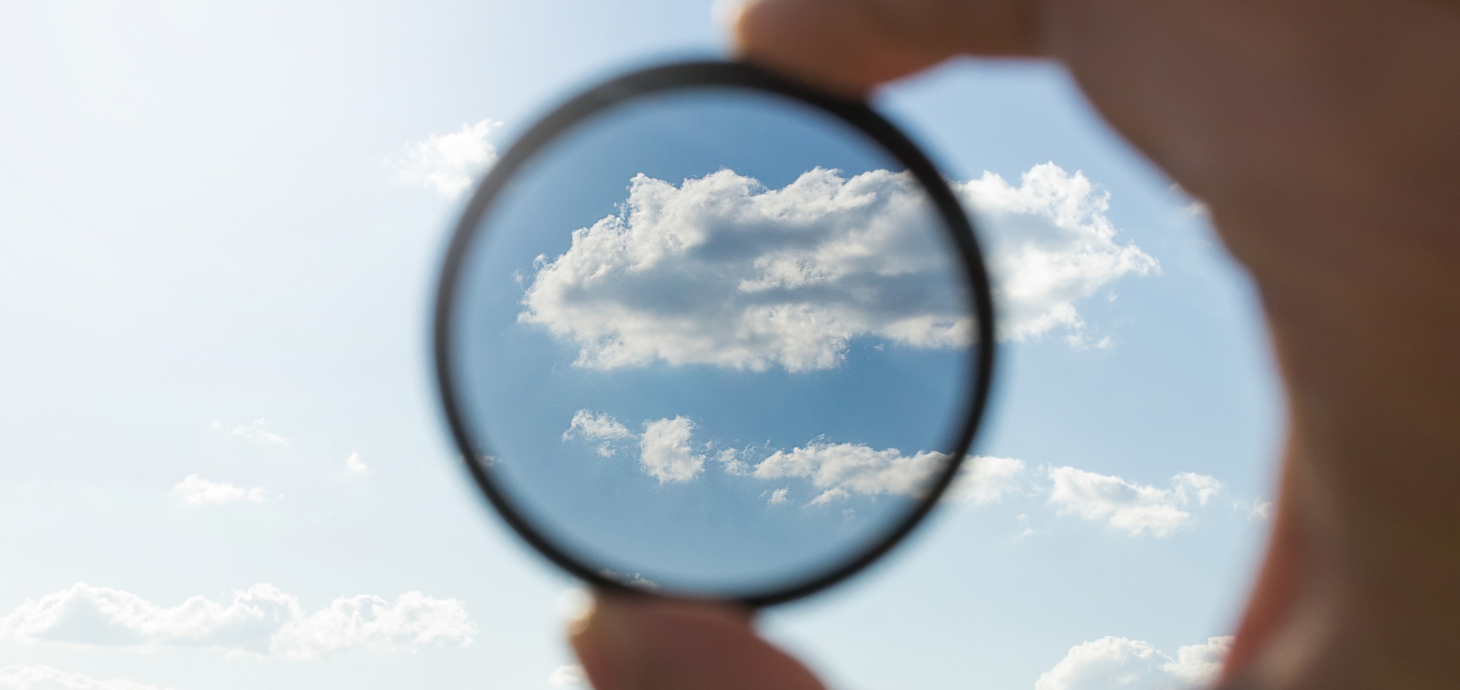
[1118,662]
[47,678]
[261,620]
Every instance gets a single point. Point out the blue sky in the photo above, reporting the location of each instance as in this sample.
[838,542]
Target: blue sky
[211,216]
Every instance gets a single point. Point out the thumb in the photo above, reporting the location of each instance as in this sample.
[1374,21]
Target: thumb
[853,45]
[639,643]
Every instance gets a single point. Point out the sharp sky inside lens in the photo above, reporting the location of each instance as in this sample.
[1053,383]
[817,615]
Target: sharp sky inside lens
[713,341]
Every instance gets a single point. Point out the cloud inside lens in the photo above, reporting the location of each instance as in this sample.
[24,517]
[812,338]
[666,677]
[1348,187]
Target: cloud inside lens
[832,471]
[723,271]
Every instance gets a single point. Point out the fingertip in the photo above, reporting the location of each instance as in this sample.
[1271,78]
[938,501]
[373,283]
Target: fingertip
[837,46]
[633,643]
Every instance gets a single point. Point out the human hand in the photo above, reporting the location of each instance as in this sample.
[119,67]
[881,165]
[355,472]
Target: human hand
[1323,136]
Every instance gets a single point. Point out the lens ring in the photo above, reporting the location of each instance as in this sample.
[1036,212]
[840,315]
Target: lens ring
[694,75]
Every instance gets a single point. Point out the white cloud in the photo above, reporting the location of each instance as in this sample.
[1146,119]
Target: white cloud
[1256,510]
[724,272]
[256,431]
[47,678]
[837,470]
[260,620]
[196,491]
[1050,245]
[842,469]
[1134,508]
[1118,662]
[449,163]
[1200,664]
[665,452]
[598,427]
[354,465]
[568,675]
[985,479]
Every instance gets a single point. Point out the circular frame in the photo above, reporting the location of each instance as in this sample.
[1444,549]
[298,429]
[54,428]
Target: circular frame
[688,75]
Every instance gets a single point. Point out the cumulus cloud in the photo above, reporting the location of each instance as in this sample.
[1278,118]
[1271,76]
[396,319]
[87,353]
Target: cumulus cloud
[1118,662]
[1134,508]
[725,272]
[835,470]
[568,675]
[722,271]
[448,163]
[261,620]
[840,470]
[196,491]
[47,678]
[599,427]
[1050,245]
[256,431]
[985,479]
[665,453]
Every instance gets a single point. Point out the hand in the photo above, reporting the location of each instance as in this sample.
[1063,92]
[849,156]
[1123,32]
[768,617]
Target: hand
[644,644]
[1325,137]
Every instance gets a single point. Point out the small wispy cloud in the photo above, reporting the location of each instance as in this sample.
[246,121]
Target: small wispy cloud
[196,491]
[448,163]
[1136,509]
[256,431]
[354,465]
[1256,510]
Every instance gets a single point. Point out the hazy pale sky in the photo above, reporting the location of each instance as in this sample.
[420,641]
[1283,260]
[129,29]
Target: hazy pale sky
[222,464]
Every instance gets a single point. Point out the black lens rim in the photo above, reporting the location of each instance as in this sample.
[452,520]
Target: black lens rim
[699,74]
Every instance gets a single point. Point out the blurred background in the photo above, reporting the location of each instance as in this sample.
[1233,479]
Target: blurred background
[222,464]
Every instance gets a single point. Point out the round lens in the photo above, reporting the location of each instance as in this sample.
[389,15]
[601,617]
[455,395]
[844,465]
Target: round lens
[707,338]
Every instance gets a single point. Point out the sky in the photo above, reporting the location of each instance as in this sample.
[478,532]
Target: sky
[222,460]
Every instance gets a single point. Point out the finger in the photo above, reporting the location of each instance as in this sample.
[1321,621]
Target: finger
[643,644]
[853,45]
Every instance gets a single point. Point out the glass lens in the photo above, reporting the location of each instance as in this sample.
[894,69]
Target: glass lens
[712,342]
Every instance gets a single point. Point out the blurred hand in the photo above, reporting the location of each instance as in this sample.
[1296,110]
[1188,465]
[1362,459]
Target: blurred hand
[1324,135]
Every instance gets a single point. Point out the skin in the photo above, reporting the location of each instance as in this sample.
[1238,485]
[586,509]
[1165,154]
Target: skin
[1324,135]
